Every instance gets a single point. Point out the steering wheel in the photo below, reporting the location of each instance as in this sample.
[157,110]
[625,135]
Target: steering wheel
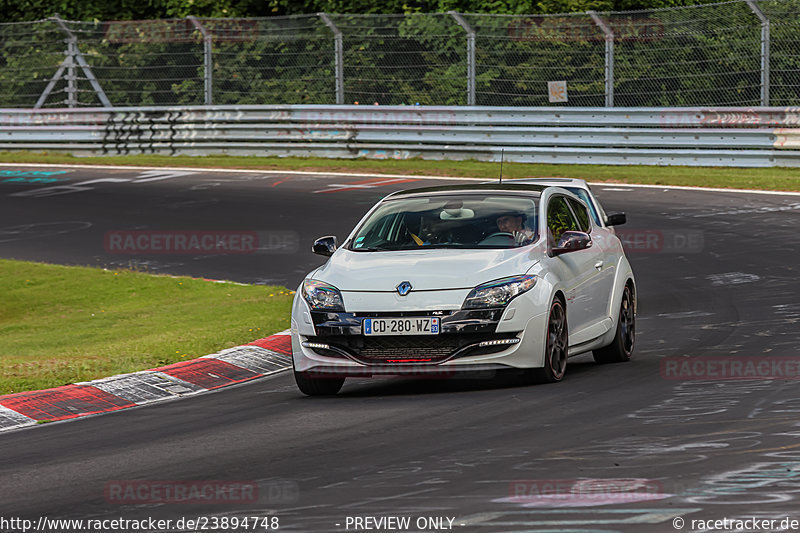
[499,238]
[499,234]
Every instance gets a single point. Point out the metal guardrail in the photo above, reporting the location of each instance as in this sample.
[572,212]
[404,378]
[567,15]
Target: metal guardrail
[745,137]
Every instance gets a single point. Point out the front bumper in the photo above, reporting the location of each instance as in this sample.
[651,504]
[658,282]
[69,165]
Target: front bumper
[469,341]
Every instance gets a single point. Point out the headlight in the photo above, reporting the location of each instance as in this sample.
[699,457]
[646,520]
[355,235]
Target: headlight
[322,296]
[499,292]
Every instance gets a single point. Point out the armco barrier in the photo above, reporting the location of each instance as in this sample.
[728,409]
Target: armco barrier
[745,137]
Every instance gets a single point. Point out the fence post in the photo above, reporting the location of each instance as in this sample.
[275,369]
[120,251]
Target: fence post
[52,83]
[338,50]
[609,68]
[72,79]
[765,42]
[74,57]
[208,65]
[470,55]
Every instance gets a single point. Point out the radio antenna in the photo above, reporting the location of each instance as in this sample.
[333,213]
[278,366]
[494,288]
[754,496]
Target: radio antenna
[502,150]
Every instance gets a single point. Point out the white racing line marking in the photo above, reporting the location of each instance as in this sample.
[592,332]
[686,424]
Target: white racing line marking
[748,210]
[240,171]
[704,189]
[143,177]
[367,175]
[732,278]
[41,229]
[370,184]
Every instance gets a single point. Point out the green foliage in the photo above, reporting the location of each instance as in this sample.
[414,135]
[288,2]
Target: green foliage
[22,10]
[19,10]
[674,57]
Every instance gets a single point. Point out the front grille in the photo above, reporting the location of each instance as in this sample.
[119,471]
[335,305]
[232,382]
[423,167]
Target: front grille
[428,348]
[433,346]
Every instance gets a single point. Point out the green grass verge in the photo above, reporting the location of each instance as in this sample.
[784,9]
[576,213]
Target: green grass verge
[780,179]
[60,325]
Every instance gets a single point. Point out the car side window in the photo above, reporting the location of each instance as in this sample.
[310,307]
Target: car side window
[583,194]
[597,209]
[581,214]
[560,218]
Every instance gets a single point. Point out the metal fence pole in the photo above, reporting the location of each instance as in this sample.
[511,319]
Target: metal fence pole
[52,83]
[470,55]
[765,41]
[208,65]
[338,63]
[609,67]
[74,57]
[72,79]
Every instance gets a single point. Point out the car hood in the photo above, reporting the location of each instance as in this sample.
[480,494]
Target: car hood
[424,269]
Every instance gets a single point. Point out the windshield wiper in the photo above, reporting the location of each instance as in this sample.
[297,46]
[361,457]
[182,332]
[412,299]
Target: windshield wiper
[411,248]
[372,249]
[443,245]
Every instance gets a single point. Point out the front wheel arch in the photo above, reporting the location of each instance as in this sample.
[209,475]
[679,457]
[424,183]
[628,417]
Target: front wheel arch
[556,343]
[620,349]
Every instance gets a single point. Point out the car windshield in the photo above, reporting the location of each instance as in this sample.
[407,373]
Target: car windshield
[452,221]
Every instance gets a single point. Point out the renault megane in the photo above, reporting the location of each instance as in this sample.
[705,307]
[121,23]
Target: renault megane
[464,278]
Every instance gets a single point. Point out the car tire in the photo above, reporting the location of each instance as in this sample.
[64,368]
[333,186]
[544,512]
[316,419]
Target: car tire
[311,386]
[556,346]
[621,348]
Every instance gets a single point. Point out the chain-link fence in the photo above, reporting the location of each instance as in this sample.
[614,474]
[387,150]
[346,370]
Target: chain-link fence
[739,53]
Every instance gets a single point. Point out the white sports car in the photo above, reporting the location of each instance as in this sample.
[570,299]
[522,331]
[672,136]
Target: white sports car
[464,278]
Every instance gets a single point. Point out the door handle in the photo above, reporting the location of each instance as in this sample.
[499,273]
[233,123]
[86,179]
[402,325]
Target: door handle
[599,265]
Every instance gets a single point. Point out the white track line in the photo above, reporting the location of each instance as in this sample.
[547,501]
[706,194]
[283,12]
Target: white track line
[687,188]
[243,171]
[404,176]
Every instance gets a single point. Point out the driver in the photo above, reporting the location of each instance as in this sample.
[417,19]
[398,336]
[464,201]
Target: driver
[512,223]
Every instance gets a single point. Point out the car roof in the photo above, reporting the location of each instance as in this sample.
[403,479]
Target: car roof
[560,182]
[529,189]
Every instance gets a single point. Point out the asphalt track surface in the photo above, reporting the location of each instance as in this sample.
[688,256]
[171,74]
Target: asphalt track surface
[627,447]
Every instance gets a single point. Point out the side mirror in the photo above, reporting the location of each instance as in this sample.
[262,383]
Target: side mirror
[324,246]
[617,219]
[572,241]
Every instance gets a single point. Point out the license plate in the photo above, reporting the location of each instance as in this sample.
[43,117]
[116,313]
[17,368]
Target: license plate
[402,326]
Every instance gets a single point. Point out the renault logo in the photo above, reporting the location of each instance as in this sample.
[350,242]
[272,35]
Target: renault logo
[404,288]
